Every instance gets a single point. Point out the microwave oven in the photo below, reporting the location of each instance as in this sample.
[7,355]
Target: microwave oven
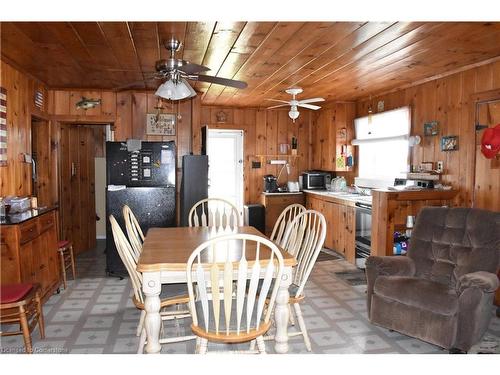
[315,180]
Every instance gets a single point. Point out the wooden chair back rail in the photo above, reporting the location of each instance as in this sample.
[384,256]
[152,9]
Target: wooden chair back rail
[304,239]
[134,231]
[127,256]
[214,281]
[214,212]
[284,221]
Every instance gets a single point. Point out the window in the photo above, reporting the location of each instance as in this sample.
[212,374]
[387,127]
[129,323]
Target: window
[383,146]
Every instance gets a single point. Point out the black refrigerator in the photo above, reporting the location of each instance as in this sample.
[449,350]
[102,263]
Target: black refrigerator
[142,176]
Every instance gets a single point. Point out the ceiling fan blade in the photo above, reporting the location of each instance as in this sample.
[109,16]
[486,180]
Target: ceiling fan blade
[191,68]
[278,106]
[221,81]
[312,100]
[280,101]
[309,106]
[141,82]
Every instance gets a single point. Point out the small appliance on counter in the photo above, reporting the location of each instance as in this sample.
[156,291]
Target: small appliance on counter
[293,186]
[270,183]
[315,180]
[16,204]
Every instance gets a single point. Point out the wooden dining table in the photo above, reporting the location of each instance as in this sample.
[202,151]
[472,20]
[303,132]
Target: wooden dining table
[163,260]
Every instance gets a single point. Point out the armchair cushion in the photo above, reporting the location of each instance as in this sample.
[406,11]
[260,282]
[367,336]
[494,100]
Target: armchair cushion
[420,293]
[486,281]
[391,265]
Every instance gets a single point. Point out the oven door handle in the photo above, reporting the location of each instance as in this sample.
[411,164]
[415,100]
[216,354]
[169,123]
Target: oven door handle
[363,206]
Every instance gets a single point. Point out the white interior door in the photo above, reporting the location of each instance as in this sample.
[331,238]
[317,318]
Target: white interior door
[225,165]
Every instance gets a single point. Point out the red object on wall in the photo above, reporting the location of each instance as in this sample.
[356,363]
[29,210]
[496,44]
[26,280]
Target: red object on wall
[490,142]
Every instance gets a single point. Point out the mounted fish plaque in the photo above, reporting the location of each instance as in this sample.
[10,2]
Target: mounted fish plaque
[87,103]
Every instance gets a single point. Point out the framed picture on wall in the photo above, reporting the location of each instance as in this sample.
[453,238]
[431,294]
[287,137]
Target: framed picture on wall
[160,123]
[449,143]
[431,128]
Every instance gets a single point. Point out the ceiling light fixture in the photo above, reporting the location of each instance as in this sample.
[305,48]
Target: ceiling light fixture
[293,113]
[175,90]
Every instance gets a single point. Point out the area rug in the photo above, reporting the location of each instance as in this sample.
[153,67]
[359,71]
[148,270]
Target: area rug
[352,277]
[326,254]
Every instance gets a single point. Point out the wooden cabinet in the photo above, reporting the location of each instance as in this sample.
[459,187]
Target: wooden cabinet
[275,204]
[390,209]
[331,134]
[341,224]
[29,253]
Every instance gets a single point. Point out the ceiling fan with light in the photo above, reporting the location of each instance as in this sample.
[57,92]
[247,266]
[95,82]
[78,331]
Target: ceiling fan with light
[175,72]
[294,103]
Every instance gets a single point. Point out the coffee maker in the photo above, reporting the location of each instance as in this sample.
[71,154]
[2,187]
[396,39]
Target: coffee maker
[270,183]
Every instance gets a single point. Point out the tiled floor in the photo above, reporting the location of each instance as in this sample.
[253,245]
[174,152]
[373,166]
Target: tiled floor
[96,315]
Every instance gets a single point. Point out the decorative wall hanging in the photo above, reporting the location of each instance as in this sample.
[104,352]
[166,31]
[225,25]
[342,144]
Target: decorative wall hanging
[38,99]
[431,128]
[160,123]
[380,106]
[449,143]
[86,103]
[3,126]
[221,116]
[490,142]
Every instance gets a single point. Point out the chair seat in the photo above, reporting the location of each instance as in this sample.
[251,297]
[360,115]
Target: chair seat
[63,243]
[14,292]
[173,290]
[419,293]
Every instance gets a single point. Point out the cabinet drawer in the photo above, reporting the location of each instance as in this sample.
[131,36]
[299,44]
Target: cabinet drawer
[28,231]
[45,222]
[285,200]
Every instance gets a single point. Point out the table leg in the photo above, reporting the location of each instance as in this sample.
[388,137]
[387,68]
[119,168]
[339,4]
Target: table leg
[281,312]
[151,286]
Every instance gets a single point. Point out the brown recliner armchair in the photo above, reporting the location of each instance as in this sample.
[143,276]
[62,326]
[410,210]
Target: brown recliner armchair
[442,291]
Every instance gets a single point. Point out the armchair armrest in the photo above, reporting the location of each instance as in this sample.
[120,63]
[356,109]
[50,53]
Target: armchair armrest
[390,265]
[486,281]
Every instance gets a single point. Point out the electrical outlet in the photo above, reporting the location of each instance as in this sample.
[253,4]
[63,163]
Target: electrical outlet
[440,167]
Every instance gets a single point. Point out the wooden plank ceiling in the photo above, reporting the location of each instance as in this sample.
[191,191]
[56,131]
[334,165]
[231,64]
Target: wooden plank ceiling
[335,60]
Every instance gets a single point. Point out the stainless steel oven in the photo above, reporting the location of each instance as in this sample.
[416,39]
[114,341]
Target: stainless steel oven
[363,239]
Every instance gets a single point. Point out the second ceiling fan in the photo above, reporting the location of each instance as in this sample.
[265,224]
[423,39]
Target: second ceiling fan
[294,103]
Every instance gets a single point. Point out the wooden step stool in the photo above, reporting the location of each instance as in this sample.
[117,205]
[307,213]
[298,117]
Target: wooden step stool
[65,249]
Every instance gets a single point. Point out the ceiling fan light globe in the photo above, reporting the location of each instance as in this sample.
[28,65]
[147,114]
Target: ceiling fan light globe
[293,114]
[175,91]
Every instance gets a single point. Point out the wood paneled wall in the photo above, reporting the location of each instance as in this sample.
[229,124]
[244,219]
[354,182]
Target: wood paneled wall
[447,100]
[264,131]
[15,177]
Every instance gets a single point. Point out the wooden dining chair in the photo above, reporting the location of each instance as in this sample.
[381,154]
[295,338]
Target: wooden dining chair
[216,213]
[284,221]
[303,239]
[233,312]
[134,231]
[175,293]
[21,304]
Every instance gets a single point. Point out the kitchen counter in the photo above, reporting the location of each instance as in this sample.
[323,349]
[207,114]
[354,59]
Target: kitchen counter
[21,217]
[284,193]
[339,197]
